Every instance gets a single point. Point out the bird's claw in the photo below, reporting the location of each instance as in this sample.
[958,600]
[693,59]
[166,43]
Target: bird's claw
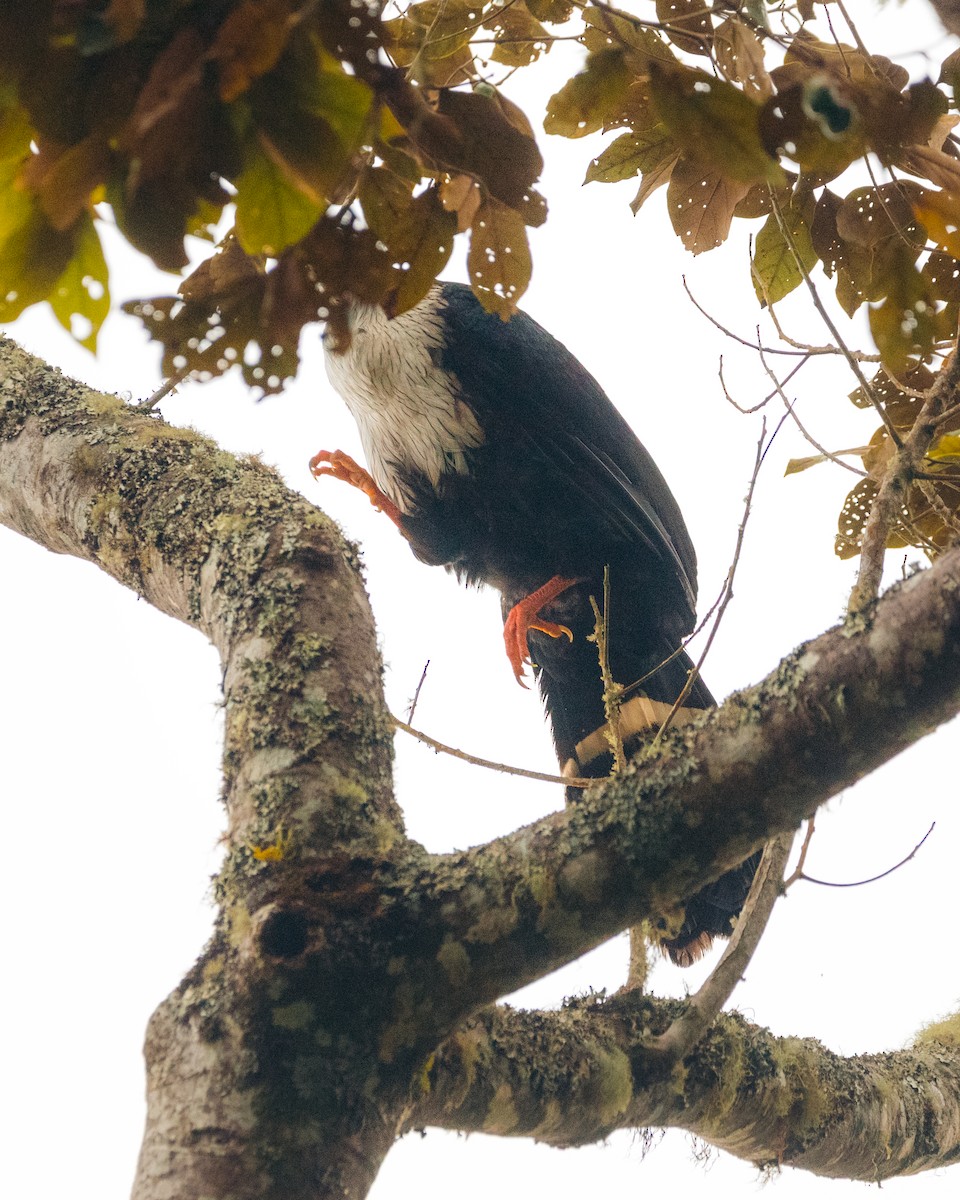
[525,616]
[339,465]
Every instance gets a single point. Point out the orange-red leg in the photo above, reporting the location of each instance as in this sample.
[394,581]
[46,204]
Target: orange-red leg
[341,466]
[525,616]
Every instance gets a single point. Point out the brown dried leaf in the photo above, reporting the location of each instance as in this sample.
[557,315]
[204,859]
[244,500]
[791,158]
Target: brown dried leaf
[701,203]
[739,55]
[653,179]
[688,23]
[249,43]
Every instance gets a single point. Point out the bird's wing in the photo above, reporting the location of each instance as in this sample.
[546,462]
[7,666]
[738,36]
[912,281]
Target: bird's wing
[520,378]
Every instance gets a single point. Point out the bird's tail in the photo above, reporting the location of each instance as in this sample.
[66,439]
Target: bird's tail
[569,677]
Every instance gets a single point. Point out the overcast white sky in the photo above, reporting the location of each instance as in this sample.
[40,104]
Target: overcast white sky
[110,727]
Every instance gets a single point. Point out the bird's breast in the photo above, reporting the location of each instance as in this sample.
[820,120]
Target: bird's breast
[414,424]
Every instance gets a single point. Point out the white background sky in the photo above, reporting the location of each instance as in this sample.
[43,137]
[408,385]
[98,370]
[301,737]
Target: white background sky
[110,727]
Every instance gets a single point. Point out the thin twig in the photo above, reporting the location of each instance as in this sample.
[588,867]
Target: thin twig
[702,1008]
[727,591]
[797,872]
[416,695]
[612,691]
[888,504]
[427,740]
[818,304]
[873,878]
[791,409]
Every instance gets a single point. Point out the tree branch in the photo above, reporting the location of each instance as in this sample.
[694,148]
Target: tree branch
[575,1076]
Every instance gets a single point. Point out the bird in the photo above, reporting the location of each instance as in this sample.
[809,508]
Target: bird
[499,457]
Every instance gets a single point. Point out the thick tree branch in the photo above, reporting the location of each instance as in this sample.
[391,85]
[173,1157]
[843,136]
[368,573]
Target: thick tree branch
[343,953]
[574,1076]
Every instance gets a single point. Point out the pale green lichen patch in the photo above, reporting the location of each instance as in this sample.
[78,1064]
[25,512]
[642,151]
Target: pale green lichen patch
[610,1088]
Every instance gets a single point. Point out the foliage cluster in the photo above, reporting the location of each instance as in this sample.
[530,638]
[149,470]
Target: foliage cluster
[353,144]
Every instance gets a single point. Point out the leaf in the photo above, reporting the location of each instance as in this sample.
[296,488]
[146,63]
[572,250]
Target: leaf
[869,215]
[796,465]
[495,143]
[740,57]
[714,122]
[555,11]
[630,154]
[609,30]
[80,298]
[249,43]
[701,204]
[688,24]
[33,257]
[902,324]
[524,39]
[782,252]
[946,448]
[654,178]
[498,262]
[421,248]
[271,212]
[589,99]
[67,185]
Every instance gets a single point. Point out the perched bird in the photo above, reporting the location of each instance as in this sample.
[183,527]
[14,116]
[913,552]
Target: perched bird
[499,457]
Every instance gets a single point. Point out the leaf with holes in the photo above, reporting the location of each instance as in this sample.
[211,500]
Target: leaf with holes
[499,263]
[740,58]
[80,298]
[688,24]
[632,154]
[587,101]
[521,39]
[902,324]
[701,203]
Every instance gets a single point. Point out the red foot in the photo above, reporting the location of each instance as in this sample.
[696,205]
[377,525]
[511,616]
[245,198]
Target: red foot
[525,616]
[341,466]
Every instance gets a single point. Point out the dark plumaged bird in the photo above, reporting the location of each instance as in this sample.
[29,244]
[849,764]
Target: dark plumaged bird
[500,457]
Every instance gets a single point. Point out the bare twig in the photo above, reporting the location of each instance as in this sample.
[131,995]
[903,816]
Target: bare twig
[702,1008]
[873,878]
[791,410]
[727,590]
[612,691]
[416,695]
[797,872]
[544,776]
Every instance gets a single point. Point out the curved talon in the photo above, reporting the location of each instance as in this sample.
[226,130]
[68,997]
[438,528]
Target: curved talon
[339,465]
[524,616]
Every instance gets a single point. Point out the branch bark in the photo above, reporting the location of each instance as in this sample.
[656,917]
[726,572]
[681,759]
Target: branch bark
[343,955]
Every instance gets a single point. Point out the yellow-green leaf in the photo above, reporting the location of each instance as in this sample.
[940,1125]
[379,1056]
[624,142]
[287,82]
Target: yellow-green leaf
[780,251]
[630,154]
[271,212]
[81,298]
[591,98]
[714,122]
[32,258]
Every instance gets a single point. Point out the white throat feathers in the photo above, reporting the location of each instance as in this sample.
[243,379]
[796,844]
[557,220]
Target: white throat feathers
[408,409]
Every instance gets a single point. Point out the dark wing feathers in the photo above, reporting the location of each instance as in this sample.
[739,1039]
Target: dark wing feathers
[567,424]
